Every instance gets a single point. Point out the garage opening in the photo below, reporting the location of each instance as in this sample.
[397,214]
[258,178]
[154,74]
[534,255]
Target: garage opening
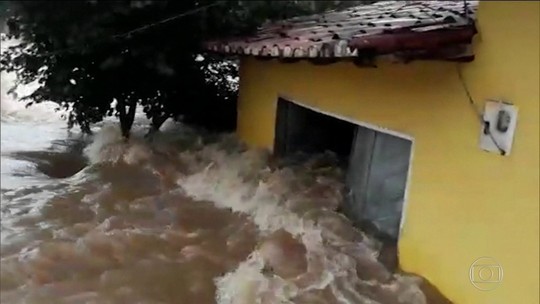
[377,163]
[301,130]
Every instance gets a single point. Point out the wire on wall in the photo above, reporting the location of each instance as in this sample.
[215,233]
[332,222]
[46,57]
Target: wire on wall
[485,124]
[479,115]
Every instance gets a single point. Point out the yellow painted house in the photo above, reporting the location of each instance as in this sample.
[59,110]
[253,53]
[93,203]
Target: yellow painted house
[436,106]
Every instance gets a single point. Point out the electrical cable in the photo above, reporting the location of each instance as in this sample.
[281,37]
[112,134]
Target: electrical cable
[128,34]
[485,124]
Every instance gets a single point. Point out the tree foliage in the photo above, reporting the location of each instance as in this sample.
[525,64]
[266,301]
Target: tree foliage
[88,59]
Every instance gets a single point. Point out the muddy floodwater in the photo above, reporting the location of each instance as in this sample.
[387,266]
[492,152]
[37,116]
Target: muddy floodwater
[188,217]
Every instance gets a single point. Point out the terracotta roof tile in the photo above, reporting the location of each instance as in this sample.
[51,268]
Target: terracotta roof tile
[386,27]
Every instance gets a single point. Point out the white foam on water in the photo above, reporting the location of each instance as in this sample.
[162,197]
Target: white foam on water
[242,181]
[108,146]
[230,182]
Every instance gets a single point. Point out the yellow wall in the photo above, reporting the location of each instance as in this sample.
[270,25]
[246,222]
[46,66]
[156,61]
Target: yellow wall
[463,203]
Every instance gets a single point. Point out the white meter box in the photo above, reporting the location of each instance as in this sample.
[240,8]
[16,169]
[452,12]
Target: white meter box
[497,133]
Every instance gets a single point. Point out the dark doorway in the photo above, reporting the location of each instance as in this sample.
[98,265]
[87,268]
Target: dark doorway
[299,129]
[377,164]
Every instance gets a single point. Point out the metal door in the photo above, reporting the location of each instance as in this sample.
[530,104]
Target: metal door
[377,179]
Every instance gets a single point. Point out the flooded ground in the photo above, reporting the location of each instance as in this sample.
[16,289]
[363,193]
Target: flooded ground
[187,217]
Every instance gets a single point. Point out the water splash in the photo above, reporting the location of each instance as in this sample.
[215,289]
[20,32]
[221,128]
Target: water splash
[206,219]
[243,183]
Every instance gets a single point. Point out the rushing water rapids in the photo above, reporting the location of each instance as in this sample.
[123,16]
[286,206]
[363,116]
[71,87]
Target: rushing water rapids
[187,217]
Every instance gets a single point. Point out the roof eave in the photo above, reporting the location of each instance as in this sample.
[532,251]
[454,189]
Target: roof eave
[434,42]
[415,41]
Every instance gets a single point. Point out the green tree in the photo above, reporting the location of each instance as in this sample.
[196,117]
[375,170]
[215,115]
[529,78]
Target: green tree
[88,57]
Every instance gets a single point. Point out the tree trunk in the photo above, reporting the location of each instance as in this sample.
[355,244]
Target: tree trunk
[85,128]
[157,122]
[126,117]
